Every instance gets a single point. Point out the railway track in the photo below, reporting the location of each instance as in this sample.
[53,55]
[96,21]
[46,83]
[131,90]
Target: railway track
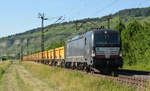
[138,82]
[124,77]
[133,72]
[133,81]
[128,80]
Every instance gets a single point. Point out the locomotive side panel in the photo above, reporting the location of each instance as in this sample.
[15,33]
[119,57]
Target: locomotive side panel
[89,47]
[80,49]
[75,50]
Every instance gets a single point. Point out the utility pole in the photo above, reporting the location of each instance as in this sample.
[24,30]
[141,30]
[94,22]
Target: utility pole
[27,46]
[21,53]
[42,17]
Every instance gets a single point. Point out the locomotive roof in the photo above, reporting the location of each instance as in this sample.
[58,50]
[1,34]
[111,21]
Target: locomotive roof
[97,30]
[108,30]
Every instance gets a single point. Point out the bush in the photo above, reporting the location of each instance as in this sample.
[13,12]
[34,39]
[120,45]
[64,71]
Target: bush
[135,42]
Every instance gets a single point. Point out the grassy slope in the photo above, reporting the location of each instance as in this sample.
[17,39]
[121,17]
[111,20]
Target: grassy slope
[136,46]
[64,80]
[54,34]
[139,66]
[17,78]
[3,67]
[29,76]
[64,31]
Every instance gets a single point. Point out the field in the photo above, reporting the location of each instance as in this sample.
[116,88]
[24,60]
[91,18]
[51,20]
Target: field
[29,76]
[139,66]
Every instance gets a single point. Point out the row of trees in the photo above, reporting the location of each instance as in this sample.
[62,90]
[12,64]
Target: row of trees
[135,42]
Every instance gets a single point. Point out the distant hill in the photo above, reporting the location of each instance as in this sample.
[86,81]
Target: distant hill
[58,33]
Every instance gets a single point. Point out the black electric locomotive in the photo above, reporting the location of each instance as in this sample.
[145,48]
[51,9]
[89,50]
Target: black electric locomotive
[99,49]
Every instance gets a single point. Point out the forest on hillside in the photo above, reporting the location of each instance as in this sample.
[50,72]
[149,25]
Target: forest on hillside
[135,38]
[135,42]
[133,24]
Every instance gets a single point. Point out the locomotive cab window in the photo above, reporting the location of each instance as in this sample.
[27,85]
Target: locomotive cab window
[109,38]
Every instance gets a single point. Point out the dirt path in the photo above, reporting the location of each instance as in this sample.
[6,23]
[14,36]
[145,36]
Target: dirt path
[17,78]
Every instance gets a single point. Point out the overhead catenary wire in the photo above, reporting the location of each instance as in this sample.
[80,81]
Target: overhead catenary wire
[77,23]
[143,2]
[81,24]
[109,16]
[106,7]
[59,20]
[103,9]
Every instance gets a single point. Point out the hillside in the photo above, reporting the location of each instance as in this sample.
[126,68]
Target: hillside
[61,32]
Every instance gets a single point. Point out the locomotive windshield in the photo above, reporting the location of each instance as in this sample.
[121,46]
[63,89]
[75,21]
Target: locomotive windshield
[107,38]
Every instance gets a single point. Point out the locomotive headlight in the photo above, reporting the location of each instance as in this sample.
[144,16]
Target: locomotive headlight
[105,32]
[120,54]
[93,53]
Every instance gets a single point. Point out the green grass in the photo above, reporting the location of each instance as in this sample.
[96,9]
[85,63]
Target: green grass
[138,66]
[20,82]
[66,80]
[4,66]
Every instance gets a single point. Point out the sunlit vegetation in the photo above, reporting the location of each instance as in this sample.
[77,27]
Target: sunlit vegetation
[135,44]
[3,67]
[61,32]
[66,80]
[133,24]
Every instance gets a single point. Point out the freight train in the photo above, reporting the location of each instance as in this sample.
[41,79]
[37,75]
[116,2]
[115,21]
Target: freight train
[98,49]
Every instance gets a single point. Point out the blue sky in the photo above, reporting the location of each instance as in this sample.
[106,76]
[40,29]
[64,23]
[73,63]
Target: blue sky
[21,15]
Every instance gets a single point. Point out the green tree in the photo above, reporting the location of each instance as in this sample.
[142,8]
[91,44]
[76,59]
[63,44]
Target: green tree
[132,29]
[131,37]
[120,26]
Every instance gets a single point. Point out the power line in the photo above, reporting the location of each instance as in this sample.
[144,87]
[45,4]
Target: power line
[77,11]
[106,7]
[143,2]
[42,17]
[21,53]
[59,20]
[79,24]
[27,46]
